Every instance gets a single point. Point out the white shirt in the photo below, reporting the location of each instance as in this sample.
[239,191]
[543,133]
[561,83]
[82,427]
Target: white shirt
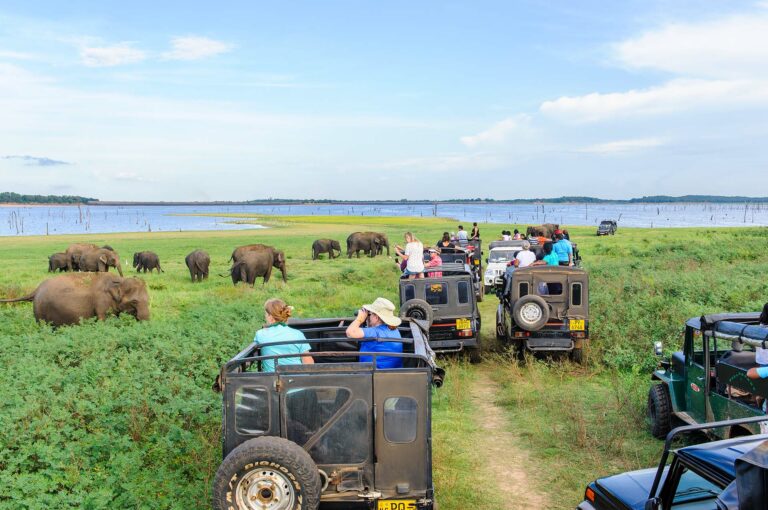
[526,258]
[505,237]
[462,235]
[415,253]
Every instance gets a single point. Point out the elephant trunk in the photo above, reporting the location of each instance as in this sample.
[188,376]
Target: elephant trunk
[282,270]
[119,268]
[142,312]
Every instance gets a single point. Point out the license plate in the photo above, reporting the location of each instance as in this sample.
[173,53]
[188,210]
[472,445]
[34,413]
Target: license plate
[463,324]
[576,325]
[396,504]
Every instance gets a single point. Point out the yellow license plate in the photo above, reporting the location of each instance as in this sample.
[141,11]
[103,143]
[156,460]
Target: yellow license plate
[396,504]
[463,324]
[576,325]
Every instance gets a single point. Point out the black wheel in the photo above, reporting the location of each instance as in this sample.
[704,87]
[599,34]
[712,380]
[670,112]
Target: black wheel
[475,355]
[417,309]
[577,355]
[531,312]
[480,294]
[659,411]
[500,324]
[267,473]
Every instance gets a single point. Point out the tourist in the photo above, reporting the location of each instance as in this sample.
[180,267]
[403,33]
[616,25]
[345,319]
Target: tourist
[414,256]
[517,235]
[434,261]
[445,242]
[475,232]
[564,249]
[505,236]
[276,314]
[525,257]
[462,236]
[381,323]
[550,257]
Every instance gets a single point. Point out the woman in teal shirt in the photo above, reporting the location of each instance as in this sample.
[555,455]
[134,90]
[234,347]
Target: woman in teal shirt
[276,314]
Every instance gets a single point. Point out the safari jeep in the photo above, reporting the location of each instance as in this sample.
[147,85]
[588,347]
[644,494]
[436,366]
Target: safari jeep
[723,475]
[467,259]
[707,380]
[545,309]
[333,434]
[448,303]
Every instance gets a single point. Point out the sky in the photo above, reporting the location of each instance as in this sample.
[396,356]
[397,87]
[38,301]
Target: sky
[355,99]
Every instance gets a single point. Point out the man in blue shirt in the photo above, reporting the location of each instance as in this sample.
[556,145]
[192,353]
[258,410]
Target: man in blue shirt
[564,249]
[382,323]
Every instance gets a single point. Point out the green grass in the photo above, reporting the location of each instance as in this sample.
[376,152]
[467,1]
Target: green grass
[120,414]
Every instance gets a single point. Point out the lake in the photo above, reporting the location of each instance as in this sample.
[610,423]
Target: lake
[42,220]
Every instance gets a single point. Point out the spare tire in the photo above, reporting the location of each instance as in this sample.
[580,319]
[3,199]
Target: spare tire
[267,472]
[417,309]
[531,312]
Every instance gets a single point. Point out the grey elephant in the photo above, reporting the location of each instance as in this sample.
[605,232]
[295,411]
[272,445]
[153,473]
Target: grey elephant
[146,260]
[325,246]
[58,262]
[197,263]
[100,260]
[68,298]
[75,251]
[251,265]
[278,257]
[370,243]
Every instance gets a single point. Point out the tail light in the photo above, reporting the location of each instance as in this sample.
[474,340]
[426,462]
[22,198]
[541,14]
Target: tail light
[521,334]
[579,334]
[465,332]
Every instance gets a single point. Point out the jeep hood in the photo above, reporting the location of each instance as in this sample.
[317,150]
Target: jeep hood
[630,488]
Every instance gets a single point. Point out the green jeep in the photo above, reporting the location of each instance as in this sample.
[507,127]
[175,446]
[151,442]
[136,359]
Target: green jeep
[707,381]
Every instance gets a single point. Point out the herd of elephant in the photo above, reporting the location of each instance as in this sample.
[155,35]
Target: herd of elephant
[91,291]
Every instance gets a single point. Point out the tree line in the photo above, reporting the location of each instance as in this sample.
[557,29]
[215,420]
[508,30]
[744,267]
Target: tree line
[16,198]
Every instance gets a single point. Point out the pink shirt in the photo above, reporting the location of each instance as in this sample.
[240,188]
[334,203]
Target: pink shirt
[437,261]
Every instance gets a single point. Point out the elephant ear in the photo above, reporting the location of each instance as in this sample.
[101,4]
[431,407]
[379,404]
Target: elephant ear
[103,258]
[115,290]
[280,256]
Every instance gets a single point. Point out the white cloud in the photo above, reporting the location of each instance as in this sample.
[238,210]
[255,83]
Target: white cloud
[498,133]
[194,48]
[108,56]
[623,146]
[673,96]
[17,55]
[732,47]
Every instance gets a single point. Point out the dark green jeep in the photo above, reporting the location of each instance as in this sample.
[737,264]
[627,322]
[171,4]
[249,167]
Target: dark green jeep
[707,381]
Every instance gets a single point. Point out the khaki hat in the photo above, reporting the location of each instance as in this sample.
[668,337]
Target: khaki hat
[385,309]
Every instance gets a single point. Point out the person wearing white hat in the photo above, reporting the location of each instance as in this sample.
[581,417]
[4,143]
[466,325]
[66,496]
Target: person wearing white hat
[381,323]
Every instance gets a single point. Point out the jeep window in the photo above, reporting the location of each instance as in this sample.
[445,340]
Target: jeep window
[308,409]
[550,288]
[400,419]
[501,256]
[410,292]
[252,410]
[576,294]
[347,441]
[463,292]
[523,289]
[692,487]
[436,293]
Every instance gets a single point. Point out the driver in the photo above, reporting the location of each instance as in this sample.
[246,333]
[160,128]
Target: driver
[381,324]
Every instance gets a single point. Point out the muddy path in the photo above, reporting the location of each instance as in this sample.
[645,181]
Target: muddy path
[506,462]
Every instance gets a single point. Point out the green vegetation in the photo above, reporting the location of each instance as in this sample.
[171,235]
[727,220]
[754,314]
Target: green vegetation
[7,197]
[121,414]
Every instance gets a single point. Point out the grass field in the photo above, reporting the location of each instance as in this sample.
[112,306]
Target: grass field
[120,414]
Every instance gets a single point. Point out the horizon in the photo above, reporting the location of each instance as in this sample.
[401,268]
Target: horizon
[339,100]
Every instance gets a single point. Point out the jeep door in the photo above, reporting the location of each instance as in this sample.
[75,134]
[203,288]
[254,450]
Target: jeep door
[330,416]
[403,432]
[251,408]
[696,370]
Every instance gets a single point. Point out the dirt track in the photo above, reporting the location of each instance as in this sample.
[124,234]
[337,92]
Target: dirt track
[506,462]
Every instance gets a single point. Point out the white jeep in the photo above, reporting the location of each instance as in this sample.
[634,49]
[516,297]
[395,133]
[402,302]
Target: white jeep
[501,252]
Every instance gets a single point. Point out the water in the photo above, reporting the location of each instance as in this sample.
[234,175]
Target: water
[42,220]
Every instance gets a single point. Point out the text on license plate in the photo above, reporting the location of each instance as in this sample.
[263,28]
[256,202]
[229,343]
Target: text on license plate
[576,325]
[463,324]
[396,504]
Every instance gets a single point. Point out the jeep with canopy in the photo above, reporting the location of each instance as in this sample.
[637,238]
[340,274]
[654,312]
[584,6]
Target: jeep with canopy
[446,300]
[731,474]
[607,227]
[339,433]
[707,380]
[545,309]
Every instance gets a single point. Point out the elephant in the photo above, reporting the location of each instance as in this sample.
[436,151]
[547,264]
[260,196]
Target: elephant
[251,265]
[146,260]
[546,230]
[198,262]
[75,251]
[100,260]
[325,246]
[58,262]
[68,298]
[278,257]
[371,243]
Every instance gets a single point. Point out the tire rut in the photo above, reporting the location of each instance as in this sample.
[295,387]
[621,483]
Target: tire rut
[499,448]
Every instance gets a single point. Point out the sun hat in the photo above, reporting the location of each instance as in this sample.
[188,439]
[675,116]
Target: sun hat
[432,250]
[385,309]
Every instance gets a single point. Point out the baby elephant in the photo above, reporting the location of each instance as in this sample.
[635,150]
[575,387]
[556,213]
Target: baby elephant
[325,246]
[252,265]
[146,260]
[198,262]
[58,262]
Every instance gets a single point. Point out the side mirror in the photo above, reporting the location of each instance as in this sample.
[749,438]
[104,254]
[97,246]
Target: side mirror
[652,504]
[658,348]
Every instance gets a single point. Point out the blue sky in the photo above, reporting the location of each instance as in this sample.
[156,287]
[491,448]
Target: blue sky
[383,100]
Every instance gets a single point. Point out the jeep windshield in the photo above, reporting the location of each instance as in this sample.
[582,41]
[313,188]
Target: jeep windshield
[501,256]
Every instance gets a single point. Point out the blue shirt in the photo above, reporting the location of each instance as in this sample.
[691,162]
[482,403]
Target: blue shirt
[762,372]
[563,248]
[552,259]
[382,331]
[280,333]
